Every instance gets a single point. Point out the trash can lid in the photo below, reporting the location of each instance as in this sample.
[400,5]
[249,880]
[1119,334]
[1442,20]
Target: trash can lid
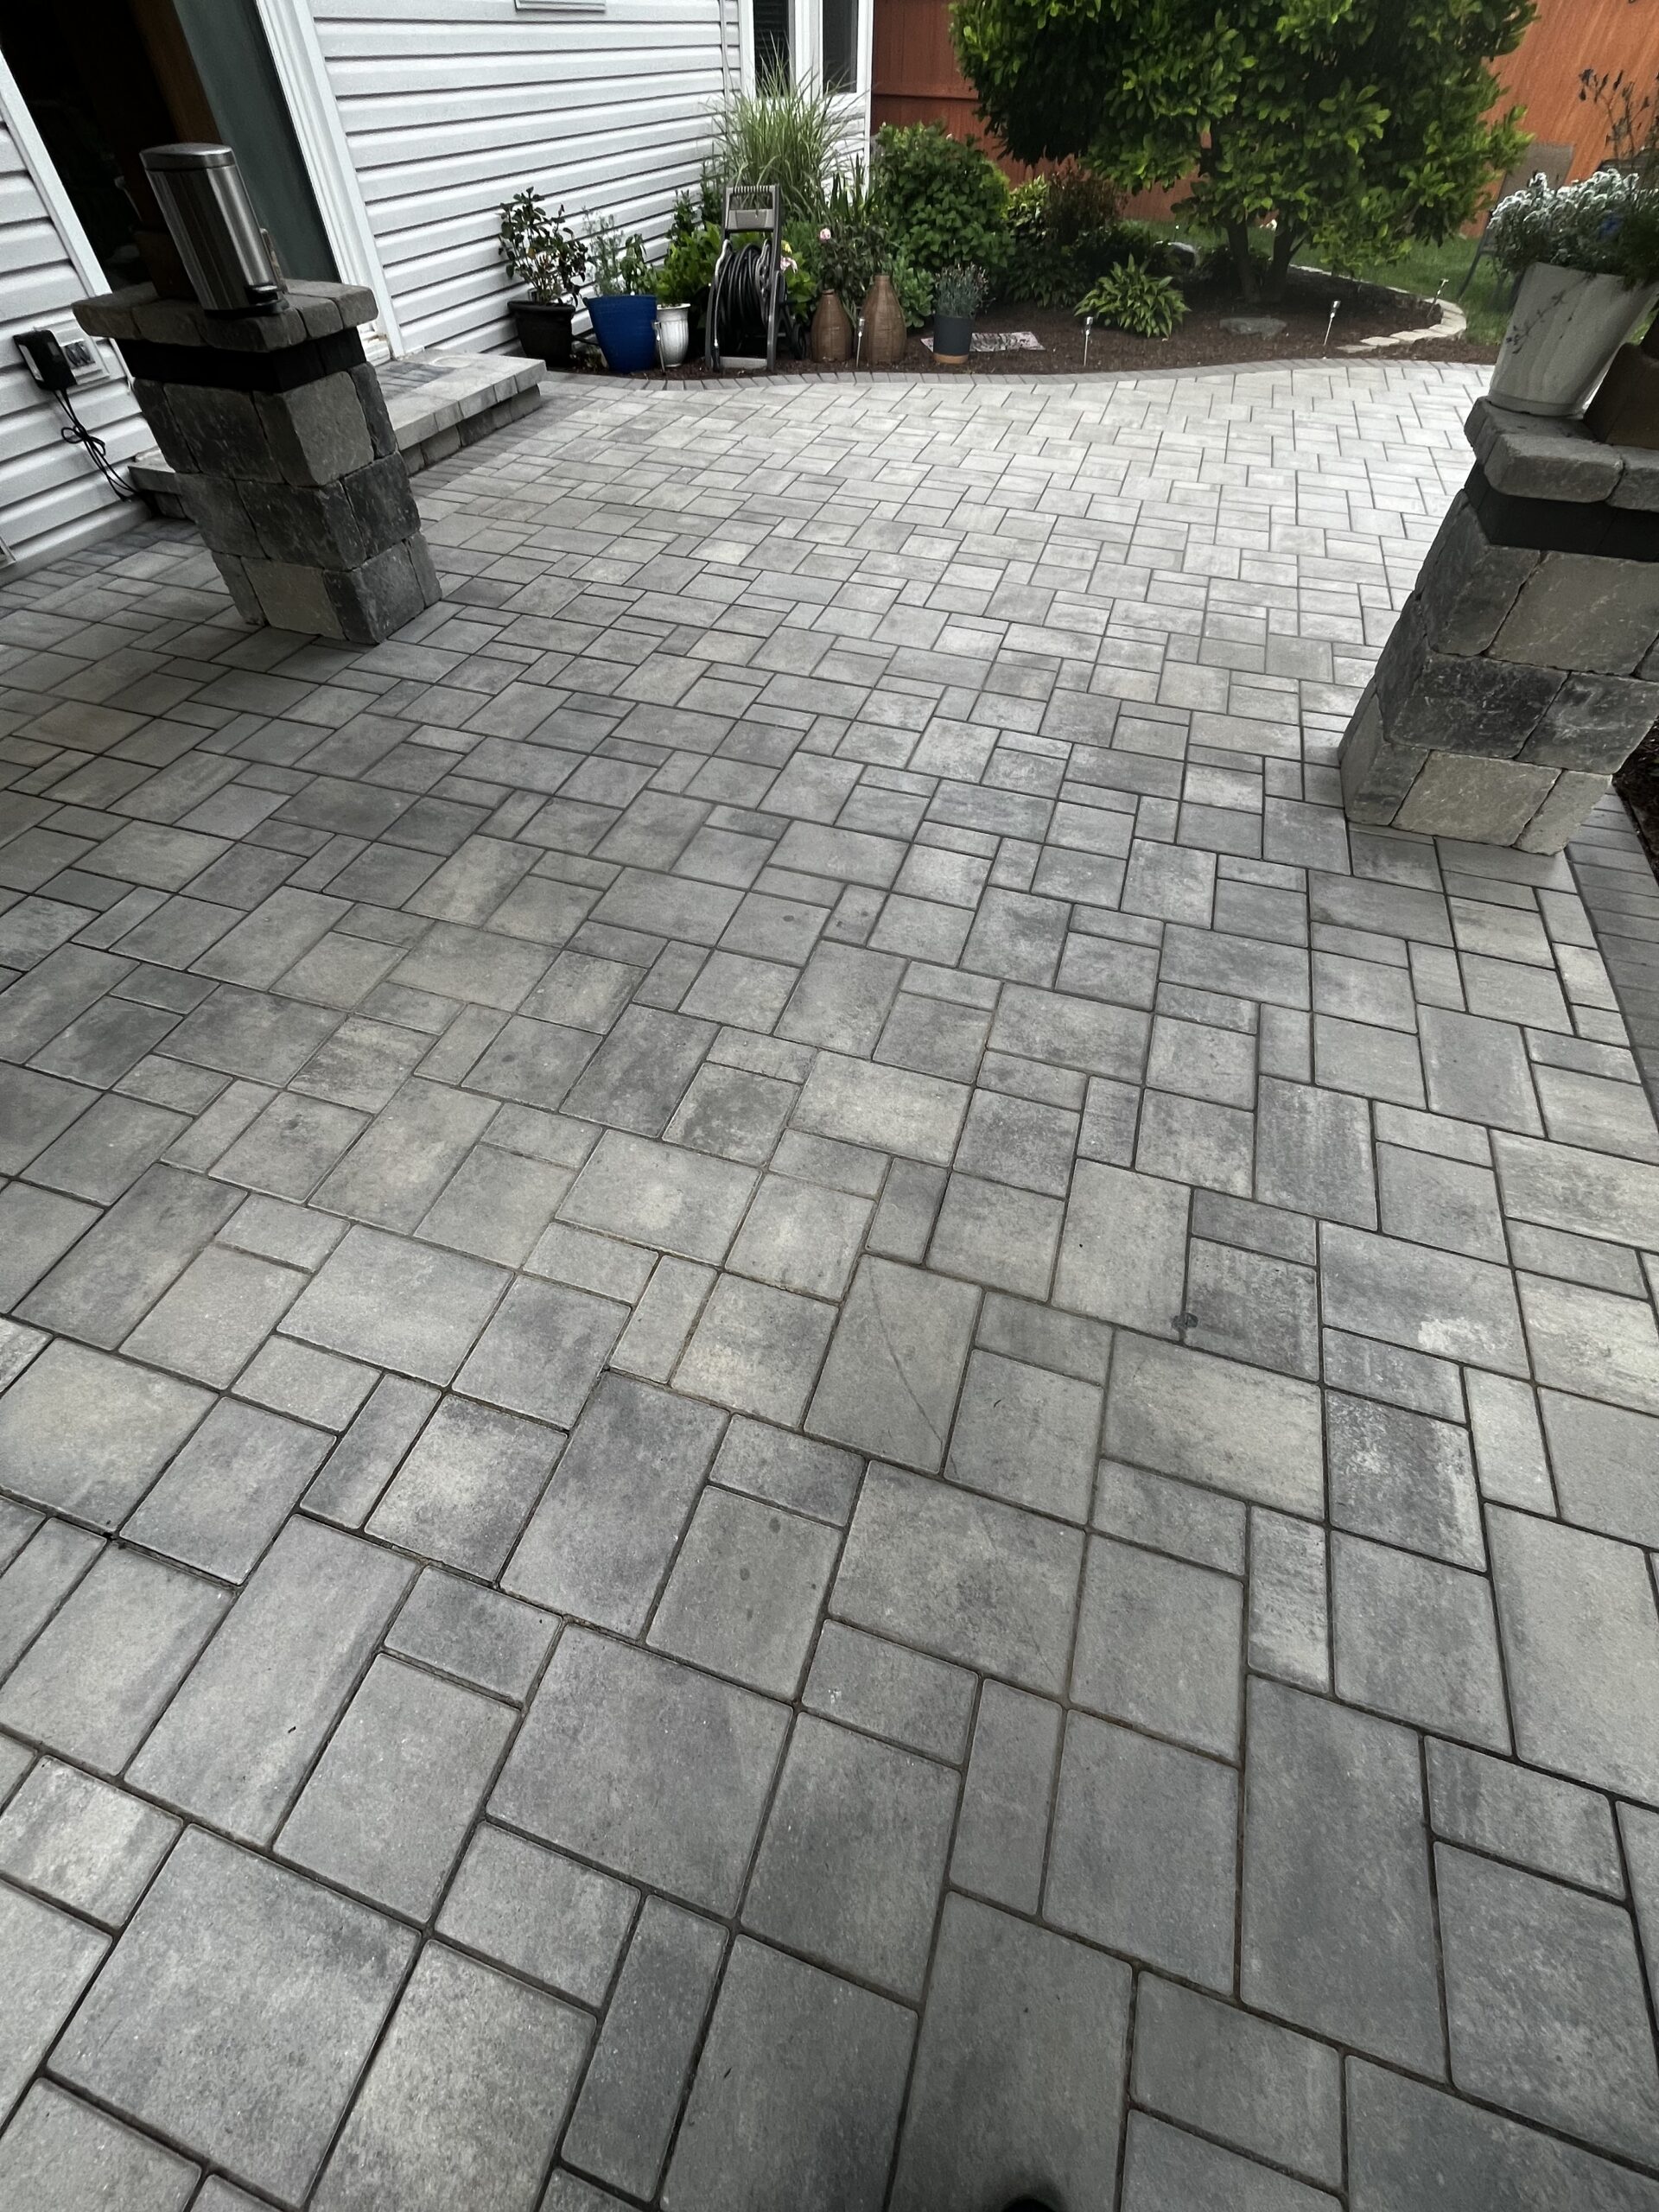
[191,155]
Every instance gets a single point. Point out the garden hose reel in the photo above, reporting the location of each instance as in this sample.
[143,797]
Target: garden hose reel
[748,280]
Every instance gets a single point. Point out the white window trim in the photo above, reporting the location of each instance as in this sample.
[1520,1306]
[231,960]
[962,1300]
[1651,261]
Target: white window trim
[296,52]
[14,113]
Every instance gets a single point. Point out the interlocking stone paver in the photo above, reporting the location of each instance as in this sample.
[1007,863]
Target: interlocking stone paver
[87,1434]
[712,1749]
[465,2095]
[630,2095]
[600,1543]
[851,954]
[894,1365]
[1337,1922]
[108,1660]
[225,1947]
[1144,1851]
[235,1743]
[1258,2086]
[1581,1639]
[797,2095]
[388,1805]
[986,1585]
[61,2151]
[1019,2071]
[48,1959]
[852,1860]
[86,1845]
[1545,2005]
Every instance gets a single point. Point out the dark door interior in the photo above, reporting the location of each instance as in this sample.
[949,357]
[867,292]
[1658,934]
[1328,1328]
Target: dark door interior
[110,77]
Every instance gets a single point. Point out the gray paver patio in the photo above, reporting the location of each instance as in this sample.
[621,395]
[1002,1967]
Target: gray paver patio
[800,1410]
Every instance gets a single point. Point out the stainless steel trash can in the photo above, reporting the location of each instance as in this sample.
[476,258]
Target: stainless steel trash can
[207,208]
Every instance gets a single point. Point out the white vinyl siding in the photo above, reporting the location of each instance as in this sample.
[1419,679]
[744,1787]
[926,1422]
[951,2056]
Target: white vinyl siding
[450,106]
[51,496]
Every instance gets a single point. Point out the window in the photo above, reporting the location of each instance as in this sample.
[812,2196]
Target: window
[840,44]
[772,57]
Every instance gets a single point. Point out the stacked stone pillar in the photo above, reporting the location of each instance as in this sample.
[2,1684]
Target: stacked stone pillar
[286,458]
[1524,669]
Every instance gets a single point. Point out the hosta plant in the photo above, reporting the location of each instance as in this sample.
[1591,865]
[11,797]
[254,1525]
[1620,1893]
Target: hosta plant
[1133,298]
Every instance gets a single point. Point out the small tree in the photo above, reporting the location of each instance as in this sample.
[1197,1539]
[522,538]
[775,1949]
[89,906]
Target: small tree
[1354,126]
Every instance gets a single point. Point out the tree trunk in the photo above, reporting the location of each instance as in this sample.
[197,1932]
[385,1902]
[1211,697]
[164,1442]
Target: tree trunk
[1238,243]
[1285,242]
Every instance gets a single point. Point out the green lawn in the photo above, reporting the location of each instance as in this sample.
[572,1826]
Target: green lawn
[1425,269]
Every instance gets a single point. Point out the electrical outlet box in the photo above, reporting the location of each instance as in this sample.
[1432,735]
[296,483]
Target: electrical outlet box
[63,360]
[85,356]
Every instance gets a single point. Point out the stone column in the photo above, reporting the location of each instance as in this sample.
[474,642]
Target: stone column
[1524,668]
[286,458]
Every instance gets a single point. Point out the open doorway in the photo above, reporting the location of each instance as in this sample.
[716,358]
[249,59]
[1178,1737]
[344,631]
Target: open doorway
[115,76]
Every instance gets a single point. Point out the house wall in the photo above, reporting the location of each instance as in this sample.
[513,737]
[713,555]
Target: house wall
[450,106]
[51,496]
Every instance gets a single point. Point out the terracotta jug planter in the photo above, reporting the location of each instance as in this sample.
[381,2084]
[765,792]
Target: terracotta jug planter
[884,325]
[832,335]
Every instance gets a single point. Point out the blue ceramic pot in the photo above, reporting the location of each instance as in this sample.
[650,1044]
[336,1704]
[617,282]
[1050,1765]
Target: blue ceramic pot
[622,324]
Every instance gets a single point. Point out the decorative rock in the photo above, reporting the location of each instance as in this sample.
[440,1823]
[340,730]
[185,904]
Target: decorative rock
[1254,325]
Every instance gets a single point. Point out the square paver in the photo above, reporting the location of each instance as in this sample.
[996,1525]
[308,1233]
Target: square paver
[600,1542]
[237,2013]
[82,1842]
[540,1913]
[637,1762]
[1144,1852]
[59,2148]
[543,1352]
[388,1804]
[853,1859]
[230,1490]
[746,1592]
[1019,2076]
[48,1959]
[1160,1646]
[87,1434]
[757,1350]
[466,2097]
[797,2098]
[802,1236]
[468,1485]
[1025,1435]
[986,1585]
[889,1384]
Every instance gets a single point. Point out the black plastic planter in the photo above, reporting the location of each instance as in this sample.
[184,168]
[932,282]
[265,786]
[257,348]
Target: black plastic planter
[544,328]
[953,337]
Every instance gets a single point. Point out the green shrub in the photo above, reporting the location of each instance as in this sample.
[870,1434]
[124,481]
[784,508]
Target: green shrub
[781,133]
[914,286]
[1134,298]
[1065,233]
[689,267]
[942,199]
[852,245]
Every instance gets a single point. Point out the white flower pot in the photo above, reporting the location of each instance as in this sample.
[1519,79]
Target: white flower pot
[1565,329]
[673,334]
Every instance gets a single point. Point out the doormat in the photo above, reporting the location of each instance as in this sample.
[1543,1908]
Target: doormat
[999,341]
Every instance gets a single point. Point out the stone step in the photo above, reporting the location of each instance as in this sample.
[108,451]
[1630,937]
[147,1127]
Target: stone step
[438,404]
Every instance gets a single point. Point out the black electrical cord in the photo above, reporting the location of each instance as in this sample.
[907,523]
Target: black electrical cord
[75,433]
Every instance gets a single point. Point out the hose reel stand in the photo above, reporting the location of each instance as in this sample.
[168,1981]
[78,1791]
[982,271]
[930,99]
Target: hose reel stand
[748,280]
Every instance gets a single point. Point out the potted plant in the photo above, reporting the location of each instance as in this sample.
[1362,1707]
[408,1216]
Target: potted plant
[683,279]
[542,250]
[1588,256]
[958,298]
[622,303]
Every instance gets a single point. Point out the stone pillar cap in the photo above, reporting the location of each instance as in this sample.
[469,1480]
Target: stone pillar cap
[1545,457]
[314,310]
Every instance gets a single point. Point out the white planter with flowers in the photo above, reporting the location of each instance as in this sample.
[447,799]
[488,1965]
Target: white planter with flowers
[1587,255]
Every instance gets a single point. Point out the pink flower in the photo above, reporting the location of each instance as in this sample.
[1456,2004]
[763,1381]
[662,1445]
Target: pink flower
[824,237]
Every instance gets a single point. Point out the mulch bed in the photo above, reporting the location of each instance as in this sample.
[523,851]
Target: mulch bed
[1200,342]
